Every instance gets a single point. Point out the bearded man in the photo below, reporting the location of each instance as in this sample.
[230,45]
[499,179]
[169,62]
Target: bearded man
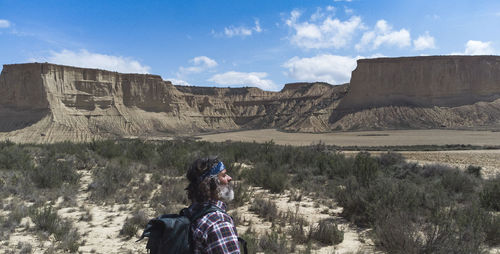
[209,185]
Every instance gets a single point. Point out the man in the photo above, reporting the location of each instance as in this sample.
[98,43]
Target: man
[209,184]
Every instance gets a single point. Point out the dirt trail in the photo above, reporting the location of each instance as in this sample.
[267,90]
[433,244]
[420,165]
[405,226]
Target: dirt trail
[101,232]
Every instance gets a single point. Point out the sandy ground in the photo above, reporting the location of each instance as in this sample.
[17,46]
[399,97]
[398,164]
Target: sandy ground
[363,138]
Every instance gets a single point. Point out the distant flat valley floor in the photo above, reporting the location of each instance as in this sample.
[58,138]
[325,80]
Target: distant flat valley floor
[488,159]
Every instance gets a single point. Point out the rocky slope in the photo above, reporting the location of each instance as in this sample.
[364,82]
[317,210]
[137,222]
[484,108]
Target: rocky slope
[43,102]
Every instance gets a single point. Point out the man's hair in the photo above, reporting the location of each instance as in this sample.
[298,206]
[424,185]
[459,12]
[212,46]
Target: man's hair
[202,189]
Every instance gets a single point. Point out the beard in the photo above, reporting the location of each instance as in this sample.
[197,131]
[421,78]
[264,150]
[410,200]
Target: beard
[226,192]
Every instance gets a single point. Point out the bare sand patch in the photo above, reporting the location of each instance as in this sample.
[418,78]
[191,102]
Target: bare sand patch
[363,138]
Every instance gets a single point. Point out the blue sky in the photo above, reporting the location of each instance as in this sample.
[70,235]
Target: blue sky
[263,43]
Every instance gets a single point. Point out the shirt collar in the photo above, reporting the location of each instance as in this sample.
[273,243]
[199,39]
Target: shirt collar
[219,204]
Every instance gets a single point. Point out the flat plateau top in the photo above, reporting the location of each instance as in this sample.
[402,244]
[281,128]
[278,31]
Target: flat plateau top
[364,138]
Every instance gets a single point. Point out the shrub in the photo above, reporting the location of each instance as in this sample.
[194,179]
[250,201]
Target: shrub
[455,181]
[171,193]
[492,230]
[391,158]
[396,233]
[138,221]
[272,178]
[138,150]
[108,180]
[474,170]
[490,195]
[265,208]
[18,211]
[252,240]
[297,233]
[273,243]
[106,148]
[46,219]
[327,232]
[365,168]
[242,194]
[53,173]
[14,157]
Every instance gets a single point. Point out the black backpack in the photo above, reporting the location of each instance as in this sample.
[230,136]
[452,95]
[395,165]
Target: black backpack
[171,233]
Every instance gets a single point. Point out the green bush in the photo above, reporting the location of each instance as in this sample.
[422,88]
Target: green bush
[397,233]
[108,180]
[327,232]
[391,158]
[14,157]
[474,170]
[490,195]
[272,178]
[365,168]
[53,173]
[107,148]
[265,208]
[492,230]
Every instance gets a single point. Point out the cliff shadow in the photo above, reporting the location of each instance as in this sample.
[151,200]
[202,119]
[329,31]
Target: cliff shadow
[12,120]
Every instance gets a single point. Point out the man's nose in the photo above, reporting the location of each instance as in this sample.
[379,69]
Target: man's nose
[229,178]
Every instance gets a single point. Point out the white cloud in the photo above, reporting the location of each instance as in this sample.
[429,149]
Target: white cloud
[383,34]
[4,23]
[242,30]
[86,59]
[244,78]
[322,30]
[204,61]
[199,64]
[479,48]
[342,0]
[333,69]
[424,42]
[178,82]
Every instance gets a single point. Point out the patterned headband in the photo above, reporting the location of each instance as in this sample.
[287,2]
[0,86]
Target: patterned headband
[215,170]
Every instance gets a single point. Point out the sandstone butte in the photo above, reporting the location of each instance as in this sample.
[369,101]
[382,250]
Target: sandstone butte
[43,102]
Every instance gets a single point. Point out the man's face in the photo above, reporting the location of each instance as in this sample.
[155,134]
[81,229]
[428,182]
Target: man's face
[224,178]
[226,192]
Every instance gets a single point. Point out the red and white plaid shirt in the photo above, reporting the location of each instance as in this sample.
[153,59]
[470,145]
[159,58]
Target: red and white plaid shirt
[215,232]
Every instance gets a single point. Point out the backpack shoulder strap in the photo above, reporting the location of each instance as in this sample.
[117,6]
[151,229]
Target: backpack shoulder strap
[202,212]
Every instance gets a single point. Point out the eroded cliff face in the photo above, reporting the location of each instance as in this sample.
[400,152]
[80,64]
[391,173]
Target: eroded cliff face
[422,92]
[69,103]
[42,102]
[443,81]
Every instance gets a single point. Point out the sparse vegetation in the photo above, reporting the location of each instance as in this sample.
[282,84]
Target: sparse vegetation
[490,195]
[265,208]
[411,208]
[46,219]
